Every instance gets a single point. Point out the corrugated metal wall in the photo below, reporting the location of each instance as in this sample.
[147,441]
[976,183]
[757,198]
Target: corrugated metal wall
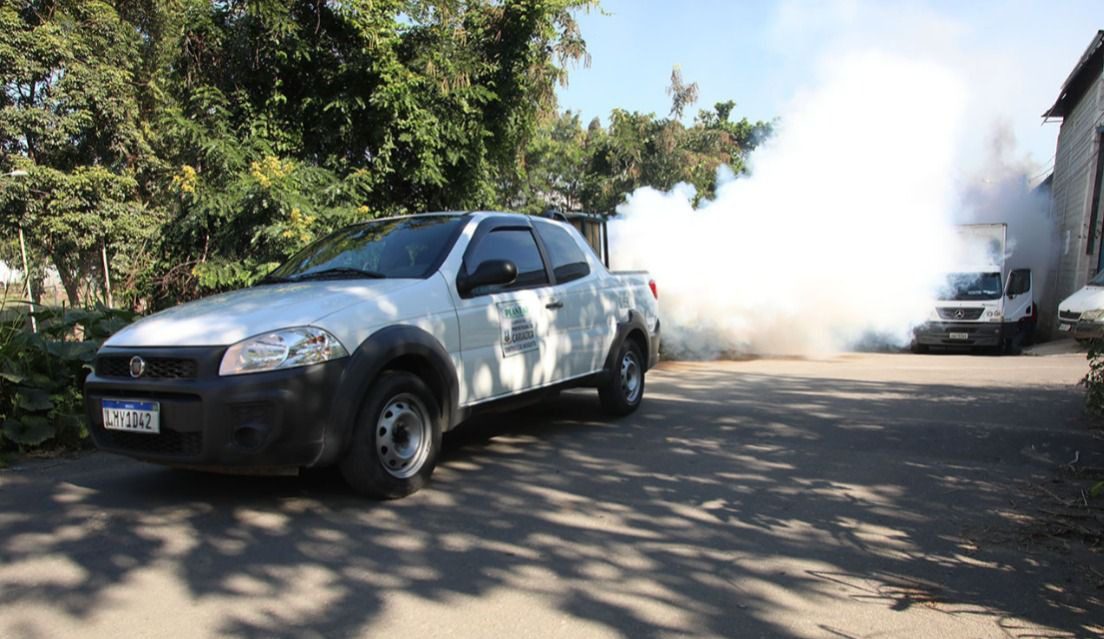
[1074,170]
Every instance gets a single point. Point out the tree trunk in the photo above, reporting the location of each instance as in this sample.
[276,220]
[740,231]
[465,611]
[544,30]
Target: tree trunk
[70,281]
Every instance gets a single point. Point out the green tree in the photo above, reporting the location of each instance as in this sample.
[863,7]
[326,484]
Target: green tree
[70,115]
[284,118]
[593,170]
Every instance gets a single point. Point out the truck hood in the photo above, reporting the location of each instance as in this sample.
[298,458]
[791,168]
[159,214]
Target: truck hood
[225,319]
[1089,298]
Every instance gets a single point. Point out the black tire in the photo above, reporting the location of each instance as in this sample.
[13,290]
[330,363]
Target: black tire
[918,348]
[396,438]
[623,389]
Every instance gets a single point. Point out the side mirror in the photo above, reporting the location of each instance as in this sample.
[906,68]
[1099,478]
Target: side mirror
[488,273]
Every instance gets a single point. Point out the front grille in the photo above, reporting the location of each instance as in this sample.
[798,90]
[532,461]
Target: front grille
[167,442]
[156,367]
[967,313]
[1069,315]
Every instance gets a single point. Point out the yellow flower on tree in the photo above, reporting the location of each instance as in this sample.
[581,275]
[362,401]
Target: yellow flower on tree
[186,180]
[299,225]
[269,169]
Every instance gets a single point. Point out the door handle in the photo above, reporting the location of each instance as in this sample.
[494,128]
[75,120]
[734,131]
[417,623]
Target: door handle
[554,305]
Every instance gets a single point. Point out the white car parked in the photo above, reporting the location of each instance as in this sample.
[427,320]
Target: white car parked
[1081,315]
[367,345]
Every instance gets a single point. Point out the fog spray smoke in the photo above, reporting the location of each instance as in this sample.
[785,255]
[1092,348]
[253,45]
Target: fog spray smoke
[841,231]
[1005,191]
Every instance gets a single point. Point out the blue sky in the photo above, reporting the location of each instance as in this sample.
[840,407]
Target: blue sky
[1013,55]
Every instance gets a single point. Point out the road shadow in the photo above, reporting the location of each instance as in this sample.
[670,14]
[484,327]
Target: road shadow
[730,505]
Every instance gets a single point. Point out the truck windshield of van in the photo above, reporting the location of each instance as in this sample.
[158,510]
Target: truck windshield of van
[1098,279]
[407,247]
[972,286]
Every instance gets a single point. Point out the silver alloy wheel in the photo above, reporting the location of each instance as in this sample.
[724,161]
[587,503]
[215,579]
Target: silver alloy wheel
[403,436]
[631,377]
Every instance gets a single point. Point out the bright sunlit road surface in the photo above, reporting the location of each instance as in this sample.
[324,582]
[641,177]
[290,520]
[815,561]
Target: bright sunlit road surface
[869,495]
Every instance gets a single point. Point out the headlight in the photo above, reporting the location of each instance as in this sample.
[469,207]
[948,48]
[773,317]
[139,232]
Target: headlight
[288,348]
[1093,315]
[995,315]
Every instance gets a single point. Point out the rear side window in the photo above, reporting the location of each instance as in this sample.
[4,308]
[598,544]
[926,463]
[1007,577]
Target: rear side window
[515,245]
[568,261]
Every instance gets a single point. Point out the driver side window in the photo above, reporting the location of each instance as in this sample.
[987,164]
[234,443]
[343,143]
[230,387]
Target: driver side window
[516,245]
[1019,281]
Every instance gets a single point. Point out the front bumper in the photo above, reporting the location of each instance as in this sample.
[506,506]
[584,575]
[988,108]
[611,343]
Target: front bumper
[1081,329]
[273,420]
[964,334]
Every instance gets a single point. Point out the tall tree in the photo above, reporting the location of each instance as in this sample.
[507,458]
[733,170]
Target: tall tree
[568,168]
[284,118]
[70,116]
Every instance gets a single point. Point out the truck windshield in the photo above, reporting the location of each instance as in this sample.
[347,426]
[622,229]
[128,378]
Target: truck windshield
[407,247]
[1098,279]
[972,286]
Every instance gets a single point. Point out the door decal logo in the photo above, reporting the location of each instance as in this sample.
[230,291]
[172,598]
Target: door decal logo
[518,333]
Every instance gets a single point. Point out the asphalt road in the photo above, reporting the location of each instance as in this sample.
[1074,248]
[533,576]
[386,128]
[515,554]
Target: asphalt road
[864,496]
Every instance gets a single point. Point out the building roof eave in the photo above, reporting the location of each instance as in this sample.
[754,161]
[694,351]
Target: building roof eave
[1078,82]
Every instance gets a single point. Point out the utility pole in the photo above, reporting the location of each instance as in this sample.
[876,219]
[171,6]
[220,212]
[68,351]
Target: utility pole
[23,254]
[107,274]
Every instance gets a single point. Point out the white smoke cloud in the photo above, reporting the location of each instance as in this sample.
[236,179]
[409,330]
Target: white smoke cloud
[1004,190]
[842,230]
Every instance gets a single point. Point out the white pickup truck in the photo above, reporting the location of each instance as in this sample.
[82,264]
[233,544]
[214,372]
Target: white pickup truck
[368,344]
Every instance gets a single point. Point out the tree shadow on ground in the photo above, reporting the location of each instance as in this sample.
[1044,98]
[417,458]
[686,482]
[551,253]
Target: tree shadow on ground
[730,505]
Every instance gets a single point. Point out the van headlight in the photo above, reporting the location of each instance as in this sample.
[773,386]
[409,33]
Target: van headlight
[287,348]
[1093,315]
[994,315]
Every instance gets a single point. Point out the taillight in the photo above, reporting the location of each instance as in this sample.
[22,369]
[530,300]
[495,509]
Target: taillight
[655,291]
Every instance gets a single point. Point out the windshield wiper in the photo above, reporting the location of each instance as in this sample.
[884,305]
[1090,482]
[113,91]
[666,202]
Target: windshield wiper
[337,273]
[272,279]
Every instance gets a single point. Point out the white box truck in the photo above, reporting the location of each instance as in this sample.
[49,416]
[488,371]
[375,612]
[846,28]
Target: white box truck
[987,301]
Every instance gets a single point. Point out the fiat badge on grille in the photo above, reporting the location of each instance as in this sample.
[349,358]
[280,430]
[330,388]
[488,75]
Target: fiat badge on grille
[137,366]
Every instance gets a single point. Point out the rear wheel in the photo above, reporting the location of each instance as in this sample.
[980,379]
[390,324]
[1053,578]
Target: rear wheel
[396,439]
[624,389]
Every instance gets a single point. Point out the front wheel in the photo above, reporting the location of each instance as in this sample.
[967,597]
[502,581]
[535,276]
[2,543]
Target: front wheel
[622,391]
[396,439]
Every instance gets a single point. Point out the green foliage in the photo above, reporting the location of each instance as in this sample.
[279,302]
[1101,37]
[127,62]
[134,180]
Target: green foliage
[72,117]
[41,374]
[1094,379]
[193,144]
[570,168]
[283,119]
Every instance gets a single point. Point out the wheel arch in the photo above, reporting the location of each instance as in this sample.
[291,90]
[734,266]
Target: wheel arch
[400,347]
[632,328]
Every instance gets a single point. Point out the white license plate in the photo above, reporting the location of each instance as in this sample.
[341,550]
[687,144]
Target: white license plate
[958,335]
[132,415]
[1065,327]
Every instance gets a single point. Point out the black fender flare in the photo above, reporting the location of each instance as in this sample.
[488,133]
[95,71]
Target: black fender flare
[633,322]
[371,358]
